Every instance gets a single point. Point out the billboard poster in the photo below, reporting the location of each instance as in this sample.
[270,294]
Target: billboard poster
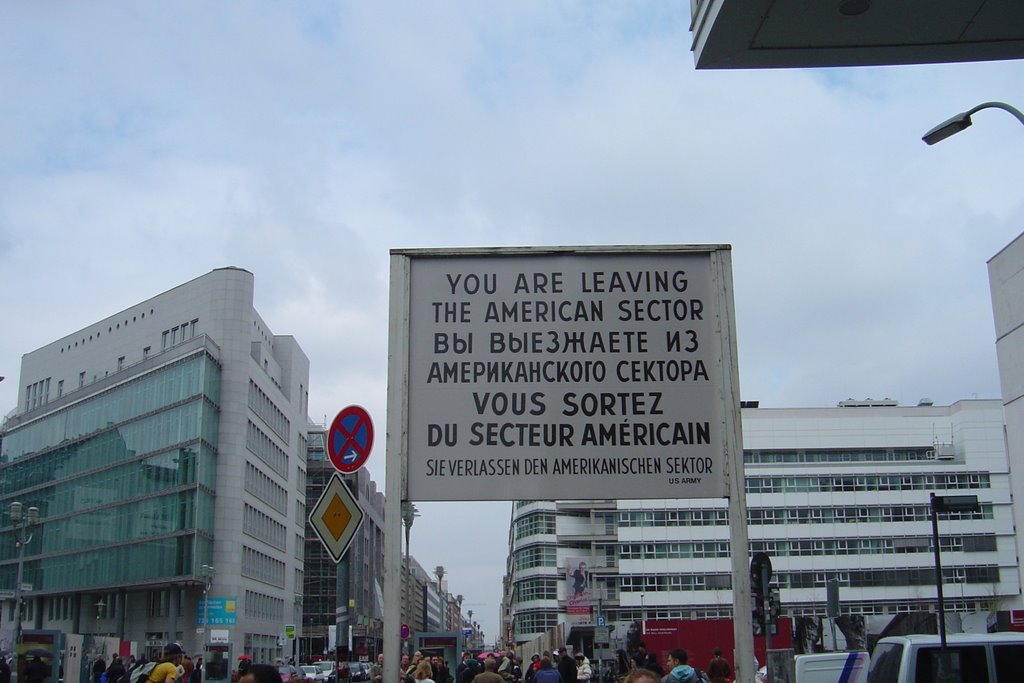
[562,373]
[577,591]
[39,655]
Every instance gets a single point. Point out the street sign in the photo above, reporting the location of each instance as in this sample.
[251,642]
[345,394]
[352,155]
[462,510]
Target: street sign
[560,370]
[217,611]
[601,621]
[289,631]
[404,631]
[350,439]
[336,517]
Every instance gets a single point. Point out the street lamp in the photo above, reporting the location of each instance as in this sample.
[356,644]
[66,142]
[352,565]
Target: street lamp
[955,124]
[23,521]
[206,573]
[946,504]
[409,515]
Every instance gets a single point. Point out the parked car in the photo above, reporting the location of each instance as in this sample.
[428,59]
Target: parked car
[309,672]
[323,670]
[359,672]
[288,673]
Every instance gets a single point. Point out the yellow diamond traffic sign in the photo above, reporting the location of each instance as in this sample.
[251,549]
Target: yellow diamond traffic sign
[336,517]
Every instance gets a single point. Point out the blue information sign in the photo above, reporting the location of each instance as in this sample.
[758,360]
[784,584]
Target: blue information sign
[219,612]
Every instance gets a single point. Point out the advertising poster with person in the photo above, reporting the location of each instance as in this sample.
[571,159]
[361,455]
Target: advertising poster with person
[577,583]
[38,656]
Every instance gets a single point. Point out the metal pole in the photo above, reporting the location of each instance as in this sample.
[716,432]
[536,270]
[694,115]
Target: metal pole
[17,592]
[408,585]
[938,574]
[23,520]
[766,606]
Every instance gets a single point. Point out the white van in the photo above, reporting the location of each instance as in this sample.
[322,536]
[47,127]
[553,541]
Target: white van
[832,667]
[970,658]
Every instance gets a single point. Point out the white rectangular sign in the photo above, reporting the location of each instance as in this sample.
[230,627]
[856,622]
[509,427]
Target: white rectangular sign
[565,373]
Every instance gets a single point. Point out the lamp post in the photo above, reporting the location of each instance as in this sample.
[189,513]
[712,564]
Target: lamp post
[946,504]
[101,605]
[23,521]
[206,573]
[409,515]
[955,124]
[439,573]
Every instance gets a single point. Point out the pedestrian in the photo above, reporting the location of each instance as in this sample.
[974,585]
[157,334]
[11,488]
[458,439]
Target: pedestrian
[116,671]
[5,669]
[490,672]
[36,671]
[679,670]
[640,675]
[546,673]
[98,668]
[416,658]
[583,670]
[719,670]
[566,666]
[625,662]
[531,670]
[461,666]
[473,667]
[166,671]
[187,668]
[647,660]
[259,673]
[505,668]
[424,672]
[440,671]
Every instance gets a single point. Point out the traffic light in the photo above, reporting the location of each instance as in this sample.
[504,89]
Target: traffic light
[774,605]
[757,613]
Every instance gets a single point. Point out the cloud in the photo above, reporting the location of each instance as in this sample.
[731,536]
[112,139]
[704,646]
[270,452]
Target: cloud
[141,146]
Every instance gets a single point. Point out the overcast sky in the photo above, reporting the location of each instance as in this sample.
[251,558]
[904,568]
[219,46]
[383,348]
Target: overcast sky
[144,144]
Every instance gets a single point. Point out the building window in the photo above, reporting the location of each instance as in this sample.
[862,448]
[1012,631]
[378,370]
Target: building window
[120,363]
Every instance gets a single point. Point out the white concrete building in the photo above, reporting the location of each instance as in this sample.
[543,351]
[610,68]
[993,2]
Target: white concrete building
[1006,282]
[832,493]
[162,439]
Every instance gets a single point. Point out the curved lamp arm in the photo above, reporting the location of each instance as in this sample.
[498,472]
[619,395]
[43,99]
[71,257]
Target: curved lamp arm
[955,124]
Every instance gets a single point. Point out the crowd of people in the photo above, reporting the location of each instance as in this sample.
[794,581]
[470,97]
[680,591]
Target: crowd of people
[558,667]
[174,666]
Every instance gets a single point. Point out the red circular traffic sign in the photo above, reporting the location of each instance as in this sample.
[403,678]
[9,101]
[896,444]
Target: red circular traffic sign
[350,439]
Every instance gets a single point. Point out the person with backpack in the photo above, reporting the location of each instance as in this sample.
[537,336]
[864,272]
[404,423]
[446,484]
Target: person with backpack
[473,667]
[98,668]
[166,670]
[680,671]
[547,673]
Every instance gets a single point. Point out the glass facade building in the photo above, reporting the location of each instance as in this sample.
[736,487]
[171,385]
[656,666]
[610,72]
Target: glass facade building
[124,480]
[161,445]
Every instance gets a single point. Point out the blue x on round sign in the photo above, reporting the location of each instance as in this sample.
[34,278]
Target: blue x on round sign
[350,439]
